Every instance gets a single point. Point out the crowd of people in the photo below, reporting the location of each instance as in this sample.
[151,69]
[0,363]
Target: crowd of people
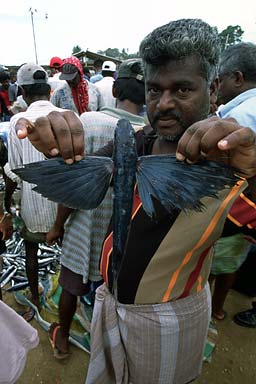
[152,301]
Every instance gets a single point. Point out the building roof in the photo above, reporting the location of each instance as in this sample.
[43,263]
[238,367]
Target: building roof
[95,56]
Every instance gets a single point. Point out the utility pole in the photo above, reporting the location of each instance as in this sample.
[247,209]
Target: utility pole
[33,28]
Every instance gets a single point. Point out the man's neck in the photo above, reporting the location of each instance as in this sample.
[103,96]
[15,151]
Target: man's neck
[128,106]
[164,147]
[36,98]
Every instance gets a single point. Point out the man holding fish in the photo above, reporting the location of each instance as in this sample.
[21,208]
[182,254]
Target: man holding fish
[151,316]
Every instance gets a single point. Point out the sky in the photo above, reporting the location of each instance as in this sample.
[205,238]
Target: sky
[93,25]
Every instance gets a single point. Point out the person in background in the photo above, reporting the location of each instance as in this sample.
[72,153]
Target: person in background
[237,84]
[37,213]
[105,85]
[73,94]
[87,73]
[98,69]
[6,227]
[55,66]
[17,338]
[93,92]
[85,230]
[55,72]
[158,309]
[237,96]
[14,89]
[5,104]
[18,104]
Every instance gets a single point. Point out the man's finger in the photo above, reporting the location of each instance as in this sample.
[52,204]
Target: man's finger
[69,135]
[77,133]
[43,137]
[242,137]
[21,128]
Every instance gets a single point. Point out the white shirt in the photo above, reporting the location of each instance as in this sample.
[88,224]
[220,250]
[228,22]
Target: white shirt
[106,98]
[37,212]
[55,81]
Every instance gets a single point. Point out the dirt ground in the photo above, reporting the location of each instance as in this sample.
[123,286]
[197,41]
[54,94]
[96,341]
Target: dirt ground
[233,361]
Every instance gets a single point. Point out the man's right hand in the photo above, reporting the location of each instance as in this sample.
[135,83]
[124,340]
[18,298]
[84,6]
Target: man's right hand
[55,235]
[6,226]
[57,134]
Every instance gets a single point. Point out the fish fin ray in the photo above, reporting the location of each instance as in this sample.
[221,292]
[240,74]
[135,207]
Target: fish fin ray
[180,185]
[81,185]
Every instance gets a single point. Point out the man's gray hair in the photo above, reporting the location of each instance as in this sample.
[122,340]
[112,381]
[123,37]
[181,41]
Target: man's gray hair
[180,39]
[239,57]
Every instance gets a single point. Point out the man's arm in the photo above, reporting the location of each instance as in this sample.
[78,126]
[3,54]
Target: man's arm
[57,231]
[6,226]
[213,138]
[10,187]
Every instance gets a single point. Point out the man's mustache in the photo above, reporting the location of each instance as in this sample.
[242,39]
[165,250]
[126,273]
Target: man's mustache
[172,114]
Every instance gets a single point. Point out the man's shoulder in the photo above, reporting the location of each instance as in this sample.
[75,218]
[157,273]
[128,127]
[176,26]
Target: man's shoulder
[245,108]
[62,87]
[96,78]
[34,111]
[96,118]
[16,117]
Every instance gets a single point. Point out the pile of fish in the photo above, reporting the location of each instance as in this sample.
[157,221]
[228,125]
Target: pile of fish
[13,274]
[2,183]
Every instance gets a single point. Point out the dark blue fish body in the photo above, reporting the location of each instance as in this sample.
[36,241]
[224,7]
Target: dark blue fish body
[125,161]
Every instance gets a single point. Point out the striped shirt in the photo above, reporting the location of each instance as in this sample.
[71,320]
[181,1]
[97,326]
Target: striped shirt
[37,212]
[170,258]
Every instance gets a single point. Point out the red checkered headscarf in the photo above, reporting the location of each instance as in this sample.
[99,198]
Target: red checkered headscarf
[80,92]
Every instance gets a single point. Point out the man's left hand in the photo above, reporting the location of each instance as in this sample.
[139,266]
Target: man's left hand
[222,140]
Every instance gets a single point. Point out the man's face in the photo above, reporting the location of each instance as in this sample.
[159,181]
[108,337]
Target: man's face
[5,84]
[53,71]
[74,83]
[176,96]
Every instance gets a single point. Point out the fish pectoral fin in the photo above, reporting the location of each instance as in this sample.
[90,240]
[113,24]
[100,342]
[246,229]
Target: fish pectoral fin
[179,185]
[81,185]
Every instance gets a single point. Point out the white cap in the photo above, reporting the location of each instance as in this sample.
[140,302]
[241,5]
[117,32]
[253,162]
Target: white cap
[109,66]
[26,75]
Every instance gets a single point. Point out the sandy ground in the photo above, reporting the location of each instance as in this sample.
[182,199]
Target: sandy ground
[234,359]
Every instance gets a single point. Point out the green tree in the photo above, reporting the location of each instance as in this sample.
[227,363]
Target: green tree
[124,54]
[231,35]
[76,49]
[115,53]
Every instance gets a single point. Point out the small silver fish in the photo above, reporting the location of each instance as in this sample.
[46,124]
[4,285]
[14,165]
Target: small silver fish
[18,286]
[6,280]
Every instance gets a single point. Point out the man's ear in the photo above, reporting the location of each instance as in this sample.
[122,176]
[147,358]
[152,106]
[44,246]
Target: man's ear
[214,87]
[24,96]
[239,78]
